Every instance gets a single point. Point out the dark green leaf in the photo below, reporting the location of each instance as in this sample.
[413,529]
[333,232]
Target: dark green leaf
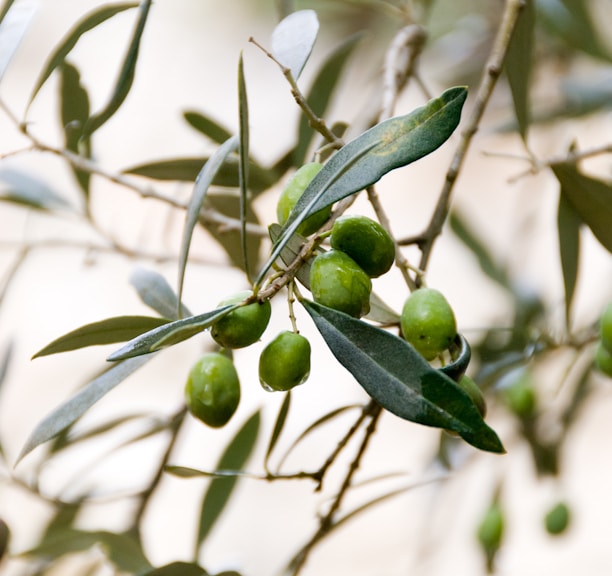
[108,331]
[518,65]
[399,379]
[293,40]
[178,569]
[568,224]
[69,412]
[591,200]
[278,427]
[219,490]
[320,94]
[74,114]
[14,22]
[169,334]
[202,183]
[156,293]
[243,163]
[93,19]
[461,356]
[126,75]
[363,161]
[207,126]
[21,188]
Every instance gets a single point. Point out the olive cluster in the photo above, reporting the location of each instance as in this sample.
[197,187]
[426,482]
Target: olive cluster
[603,352]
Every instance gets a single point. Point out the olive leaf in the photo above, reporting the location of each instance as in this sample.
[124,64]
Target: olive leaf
[178,569]
[279,424]
[568,226]
[207,126]
[243,162]
[293,39]
[155,291]
[399,379]
[14,22]
[22,188]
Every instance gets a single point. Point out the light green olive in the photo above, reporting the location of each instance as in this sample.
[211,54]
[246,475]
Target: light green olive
[285,362]
[557,519]
[605,328]
[603,359]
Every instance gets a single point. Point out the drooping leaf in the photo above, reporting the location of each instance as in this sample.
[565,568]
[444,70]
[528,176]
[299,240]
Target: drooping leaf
[320,94]
[90,21]
[27,190]
[178,569]
[74,114]
[293,39]
[108,331]
[568,225]
[207,126]
[169,334]
[5,362]
[518,65]
[243,162]
[399,379]
[279,424]
[220,490]
[156,293]
[73,409]
[391,144]
[126,75]
[590,198]
[14,22]
[202,183]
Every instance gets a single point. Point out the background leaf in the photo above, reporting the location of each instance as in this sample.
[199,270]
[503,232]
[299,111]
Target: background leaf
[568,225]
[207,126]
[178,569]
[156,293]
[21,188]
[243,162]
[14,22]
[399,379]
[279,424]
[293,40]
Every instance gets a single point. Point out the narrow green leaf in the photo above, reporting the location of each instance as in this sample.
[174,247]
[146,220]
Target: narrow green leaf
[169,334]
[126,75]
[178,569]
[91,20]
[568,225]
[5,362]
[399,379]
[220,490]
[293,39]
[518,65]
[156,293]
[320,94]
[202,183]
[591,200]
[27,190]
[14,22]
[243,162]
[207,126]
[73,409]
[108,331]
[281,418]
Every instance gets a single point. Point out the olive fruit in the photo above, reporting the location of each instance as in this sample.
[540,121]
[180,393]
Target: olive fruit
[557,519]
[603,359]
[605,328]
[293,192]
[520,397]
[491,531]
[474,392]
[366,242]
[428,322]
[242,326]
[285,362]
[338,282]
[212,391]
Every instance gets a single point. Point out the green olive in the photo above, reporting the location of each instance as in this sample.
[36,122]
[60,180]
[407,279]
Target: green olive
[293,192]
[557,519]
[605,328]
[474,393]
[337,281]
[491,529]
[212,391]
[603,359]
[520,396]
[244,325]
[285,362]
[366,242]
[428,322]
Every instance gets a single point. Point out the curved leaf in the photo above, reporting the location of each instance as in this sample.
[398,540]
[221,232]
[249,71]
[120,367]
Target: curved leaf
[243,163]
[156,293]
[568,225]
[178,569]
[399,379]
[293,40]
[108,331]
[14,22]
[22,188]
[207,126]
[283,412]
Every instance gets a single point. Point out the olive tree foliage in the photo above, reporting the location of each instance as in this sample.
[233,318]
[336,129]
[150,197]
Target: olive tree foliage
[521,40]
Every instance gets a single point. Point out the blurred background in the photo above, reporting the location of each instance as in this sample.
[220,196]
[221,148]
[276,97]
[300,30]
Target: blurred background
[59,272]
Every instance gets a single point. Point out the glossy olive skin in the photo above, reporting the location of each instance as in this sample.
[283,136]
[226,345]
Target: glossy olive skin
[337,281]
[242,326]
[366,242]
[474,392]
[212,390]
[605,328]
[285,362]
[293,192]
[428,322]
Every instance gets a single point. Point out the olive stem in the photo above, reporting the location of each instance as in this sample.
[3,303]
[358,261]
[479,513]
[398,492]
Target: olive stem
[493,70]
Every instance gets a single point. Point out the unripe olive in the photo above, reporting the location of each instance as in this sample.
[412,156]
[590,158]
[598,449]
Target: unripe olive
[474,393]
[338,282]
[242,326]
[605,328]
[491,529]
[520,397]
[293,192]
[366,242]
[428,322]
[603,359]
[285,362]
[557,519]
[212,391]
